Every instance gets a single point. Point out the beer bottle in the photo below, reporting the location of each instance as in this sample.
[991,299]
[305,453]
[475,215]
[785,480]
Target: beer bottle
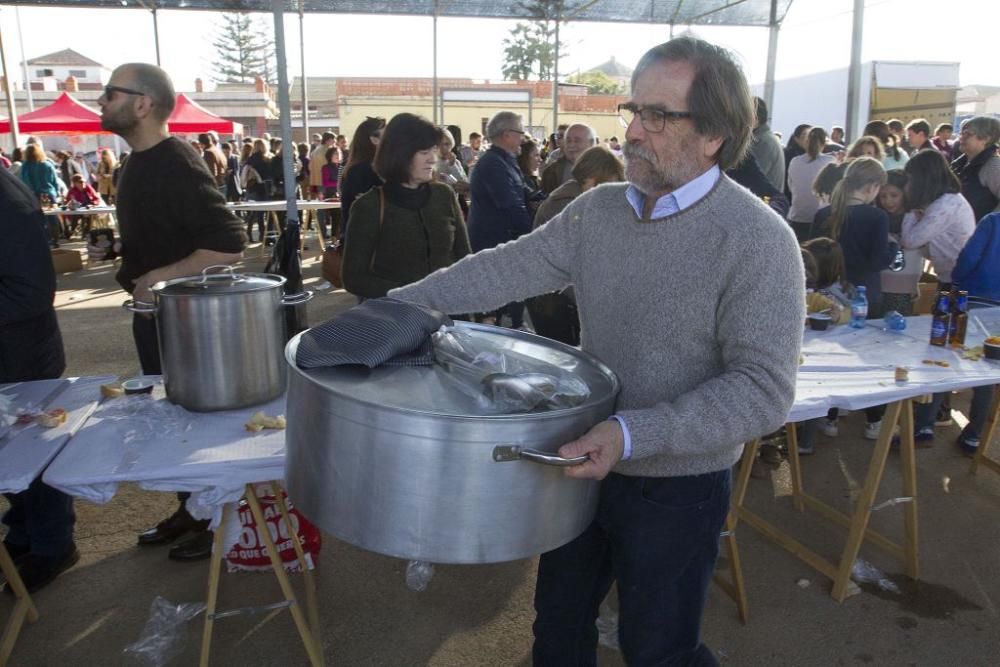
[941,320]
[959,320]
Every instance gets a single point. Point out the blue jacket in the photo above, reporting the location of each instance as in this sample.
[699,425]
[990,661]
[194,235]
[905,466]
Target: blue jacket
[41,178]
[498,213]
[977,269]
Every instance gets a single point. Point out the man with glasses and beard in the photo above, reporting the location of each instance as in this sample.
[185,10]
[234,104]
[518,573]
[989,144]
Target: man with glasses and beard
[173,222]
[692,290]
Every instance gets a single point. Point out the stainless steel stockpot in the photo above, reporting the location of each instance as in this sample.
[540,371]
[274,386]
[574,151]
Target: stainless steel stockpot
[399,461]
[221,337]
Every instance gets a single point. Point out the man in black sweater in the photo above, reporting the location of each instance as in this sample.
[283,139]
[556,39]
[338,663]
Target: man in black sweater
[40,519]
[173,222]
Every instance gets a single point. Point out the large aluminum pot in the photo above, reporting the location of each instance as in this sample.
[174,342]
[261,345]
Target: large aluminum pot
[221,337]
[399,461]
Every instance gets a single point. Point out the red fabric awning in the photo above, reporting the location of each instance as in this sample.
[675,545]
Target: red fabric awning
[64,116]
[190,117]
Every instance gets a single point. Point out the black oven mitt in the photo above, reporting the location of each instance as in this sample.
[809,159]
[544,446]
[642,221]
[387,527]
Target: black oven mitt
[378,332]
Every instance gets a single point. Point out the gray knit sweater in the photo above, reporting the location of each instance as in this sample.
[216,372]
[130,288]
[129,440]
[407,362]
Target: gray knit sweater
[699,313]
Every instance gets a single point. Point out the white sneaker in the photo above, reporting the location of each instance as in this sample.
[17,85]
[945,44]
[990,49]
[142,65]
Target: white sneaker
[872,429]
[829,427]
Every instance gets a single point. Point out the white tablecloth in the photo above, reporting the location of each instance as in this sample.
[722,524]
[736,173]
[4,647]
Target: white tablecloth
[855,368]
[163,447]
[27,449]
[281,205]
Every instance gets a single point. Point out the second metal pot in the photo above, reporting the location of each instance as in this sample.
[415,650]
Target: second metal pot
[221,338]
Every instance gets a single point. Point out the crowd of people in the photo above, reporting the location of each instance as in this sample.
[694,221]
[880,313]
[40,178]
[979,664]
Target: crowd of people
[617,247]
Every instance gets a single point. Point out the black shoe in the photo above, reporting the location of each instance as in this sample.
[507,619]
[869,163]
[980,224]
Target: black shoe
[37,572]
[170,528]
[196,547]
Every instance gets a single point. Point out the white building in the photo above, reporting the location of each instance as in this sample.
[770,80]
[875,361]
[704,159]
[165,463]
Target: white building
[49,72]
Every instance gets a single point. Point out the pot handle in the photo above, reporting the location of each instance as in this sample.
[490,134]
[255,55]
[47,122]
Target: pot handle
[296,299]
[140,307]
[225,267]
[503,453]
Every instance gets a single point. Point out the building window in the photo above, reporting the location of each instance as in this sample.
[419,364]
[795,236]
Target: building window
[43,72]
[78,73]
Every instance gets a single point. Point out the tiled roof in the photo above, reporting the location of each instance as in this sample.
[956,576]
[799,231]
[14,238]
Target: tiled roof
[66,57]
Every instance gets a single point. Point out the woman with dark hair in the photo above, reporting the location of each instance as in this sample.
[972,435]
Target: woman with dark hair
[940,218]
[794,147]
[529,160]
[359,177]
[411,226]
[895,157]
[940,223]
[802,171]
[257,184]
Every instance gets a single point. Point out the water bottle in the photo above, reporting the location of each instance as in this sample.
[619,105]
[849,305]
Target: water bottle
[894,321]
[859,308]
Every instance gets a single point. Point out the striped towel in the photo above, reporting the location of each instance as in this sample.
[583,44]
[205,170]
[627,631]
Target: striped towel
[378,332]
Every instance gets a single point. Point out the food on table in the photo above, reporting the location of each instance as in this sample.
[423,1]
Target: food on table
[902,374]
[973,353]
[112,390]
[936,362]
[259,421]
[52,418]
[993,340]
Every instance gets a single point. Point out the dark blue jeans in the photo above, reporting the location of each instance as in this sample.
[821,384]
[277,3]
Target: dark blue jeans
[42,519]
[658,538]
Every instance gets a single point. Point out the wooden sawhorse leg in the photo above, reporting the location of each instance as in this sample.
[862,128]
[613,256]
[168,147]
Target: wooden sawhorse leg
[272,230]
[857,522]
[735,587]
[317,225]
[23,609]
[986,437]
[309,635]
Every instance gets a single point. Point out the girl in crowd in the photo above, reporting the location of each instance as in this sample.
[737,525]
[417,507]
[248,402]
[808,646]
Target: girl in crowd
[451,171]
[529,161]
[861,229]
[895,157]
[940,222]
[330,180]
[867,146]
[899,287]
[359,177]
[105,175]
[84,195]
[802,171]
[256,175]
[411,226]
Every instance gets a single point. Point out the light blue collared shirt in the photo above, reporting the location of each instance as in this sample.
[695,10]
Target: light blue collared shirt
[675,202]
[678,200]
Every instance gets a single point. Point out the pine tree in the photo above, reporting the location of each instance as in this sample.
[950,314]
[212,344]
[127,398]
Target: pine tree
[238,50]
[266,52]
[530,49]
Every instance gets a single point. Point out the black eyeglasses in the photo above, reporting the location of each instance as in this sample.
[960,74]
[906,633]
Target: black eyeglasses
[109,91]
[652,119]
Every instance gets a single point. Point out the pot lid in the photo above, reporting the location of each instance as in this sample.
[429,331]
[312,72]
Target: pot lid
[435,390]
[224,282]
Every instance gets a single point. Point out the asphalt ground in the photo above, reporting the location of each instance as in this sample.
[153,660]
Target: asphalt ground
[482,615]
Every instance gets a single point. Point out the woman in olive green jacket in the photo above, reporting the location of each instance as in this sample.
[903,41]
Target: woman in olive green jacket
[411,226]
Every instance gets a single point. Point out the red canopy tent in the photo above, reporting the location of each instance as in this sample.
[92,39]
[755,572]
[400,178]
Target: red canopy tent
[64,116]
[190,117]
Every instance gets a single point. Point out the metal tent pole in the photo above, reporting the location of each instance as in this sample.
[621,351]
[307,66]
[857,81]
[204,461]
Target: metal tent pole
[434,90]
[555,83]
[854,72]
[24,61]
[772,57]
[156,36]
[302,60]
[11,111]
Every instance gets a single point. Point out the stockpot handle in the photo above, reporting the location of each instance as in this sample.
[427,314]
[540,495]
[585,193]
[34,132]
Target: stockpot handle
[296,299]
[225,267]
[503,453]
[141,307]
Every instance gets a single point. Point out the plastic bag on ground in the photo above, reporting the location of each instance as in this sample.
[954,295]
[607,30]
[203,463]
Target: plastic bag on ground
[418,574]
[164,636]
[863,572]
[503,380]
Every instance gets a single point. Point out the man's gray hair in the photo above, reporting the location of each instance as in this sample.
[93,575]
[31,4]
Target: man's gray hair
[590,131]
[155,83]
[984,127]
[719,99]
[501,122]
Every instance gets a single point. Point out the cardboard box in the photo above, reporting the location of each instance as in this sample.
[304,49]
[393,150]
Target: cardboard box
[924,304]
[65,261]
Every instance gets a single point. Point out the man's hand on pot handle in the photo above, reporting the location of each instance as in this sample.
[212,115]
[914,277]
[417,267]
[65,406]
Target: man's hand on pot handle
[604,444]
